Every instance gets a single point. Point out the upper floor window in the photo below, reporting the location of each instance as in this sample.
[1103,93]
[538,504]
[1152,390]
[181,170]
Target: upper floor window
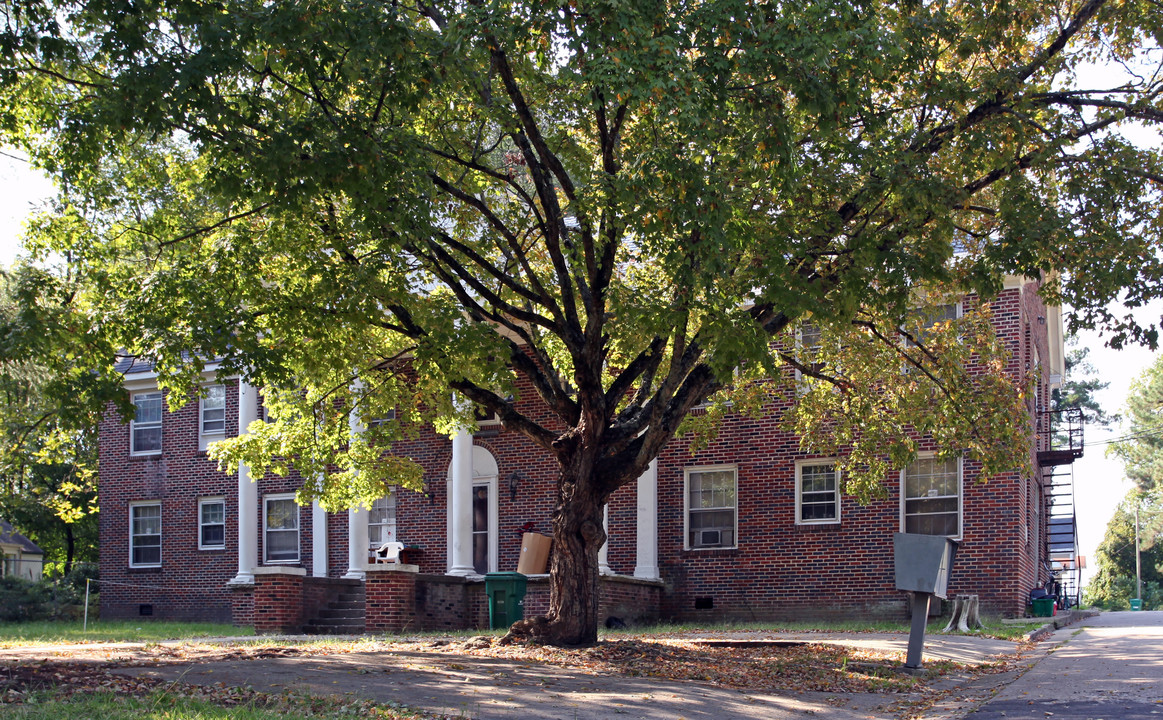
[710,507]
[145,430]
[817,492]
[145,535]
[931,497]
[930,316]
[212,415]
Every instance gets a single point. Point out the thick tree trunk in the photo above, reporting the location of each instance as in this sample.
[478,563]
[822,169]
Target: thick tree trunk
[578,534]
[70,548]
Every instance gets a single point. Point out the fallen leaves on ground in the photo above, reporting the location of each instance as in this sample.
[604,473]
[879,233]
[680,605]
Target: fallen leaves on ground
[807,667]
[48,680]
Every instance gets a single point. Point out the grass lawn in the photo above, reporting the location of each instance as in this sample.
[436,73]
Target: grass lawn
[34,633]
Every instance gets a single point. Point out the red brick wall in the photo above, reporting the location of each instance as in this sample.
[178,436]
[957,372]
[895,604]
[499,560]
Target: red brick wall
[278,603]
[391,600]
[191,583]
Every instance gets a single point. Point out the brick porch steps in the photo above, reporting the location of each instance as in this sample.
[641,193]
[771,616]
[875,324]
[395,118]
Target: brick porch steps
[345,615]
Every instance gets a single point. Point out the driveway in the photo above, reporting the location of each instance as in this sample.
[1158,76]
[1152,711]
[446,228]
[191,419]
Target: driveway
[1110,666]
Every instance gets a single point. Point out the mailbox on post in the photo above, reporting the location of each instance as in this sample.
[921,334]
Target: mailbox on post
[922,564]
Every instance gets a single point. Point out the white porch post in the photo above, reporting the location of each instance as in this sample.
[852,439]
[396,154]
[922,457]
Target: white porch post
[318,540]
[460,505]
[647,551]
[247,492]
[357,540]
[604,551]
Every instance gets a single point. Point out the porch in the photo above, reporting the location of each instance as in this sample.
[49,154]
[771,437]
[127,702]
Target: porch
[399,598]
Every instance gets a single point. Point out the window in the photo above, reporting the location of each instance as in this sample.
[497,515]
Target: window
[214,411]
[809,341]
[485,417]
[710,499]
[817,493]
[280,529]
[931,497]
[381,521]
[145,535]
[211,524]
[145,429]
[386,418]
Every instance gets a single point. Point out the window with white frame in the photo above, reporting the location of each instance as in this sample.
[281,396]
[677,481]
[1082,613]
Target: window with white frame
[817,492]
[809,341]
[280,529]
[930,316]
[381,520]
[145,430]
[931,497]
[710,507]
[211,524]
[145,535]
[386,418]
[214,410]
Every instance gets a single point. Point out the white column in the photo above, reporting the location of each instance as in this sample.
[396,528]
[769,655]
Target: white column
[247,492]
[357,541]
[318,540]
[647,551]
[460,505]
[604,551]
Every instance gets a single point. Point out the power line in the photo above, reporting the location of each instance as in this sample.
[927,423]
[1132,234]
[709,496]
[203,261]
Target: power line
[1134,436]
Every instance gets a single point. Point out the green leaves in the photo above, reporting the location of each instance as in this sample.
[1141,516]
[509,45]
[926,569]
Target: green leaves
[605,205]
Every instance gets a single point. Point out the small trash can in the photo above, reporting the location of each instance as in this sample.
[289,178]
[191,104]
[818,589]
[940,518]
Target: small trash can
[1136,604]
[1042,607]
[506,595]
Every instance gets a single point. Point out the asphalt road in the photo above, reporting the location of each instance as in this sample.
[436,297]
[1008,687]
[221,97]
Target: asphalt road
[1107,667]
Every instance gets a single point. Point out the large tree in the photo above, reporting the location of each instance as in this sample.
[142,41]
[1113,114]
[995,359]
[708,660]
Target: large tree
[620,209]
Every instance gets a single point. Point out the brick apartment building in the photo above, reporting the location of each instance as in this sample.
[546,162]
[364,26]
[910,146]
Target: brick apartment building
[772,537]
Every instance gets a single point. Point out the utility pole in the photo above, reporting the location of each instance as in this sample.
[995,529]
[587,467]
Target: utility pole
[1138,566]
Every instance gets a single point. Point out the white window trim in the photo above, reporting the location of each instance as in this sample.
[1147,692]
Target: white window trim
[207,501]
[134,424]
[799,490]
[686,506]
[160,530]
[298,530]
[392,526]
[204,437]
[801,380]
[958,313]
[960,496]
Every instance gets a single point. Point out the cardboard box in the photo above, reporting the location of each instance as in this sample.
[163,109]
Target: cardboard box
[534,554]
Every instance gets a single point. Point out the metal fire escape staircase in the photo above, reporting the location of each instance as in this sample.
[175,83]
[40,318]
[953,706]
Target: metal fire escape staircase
[1060,443]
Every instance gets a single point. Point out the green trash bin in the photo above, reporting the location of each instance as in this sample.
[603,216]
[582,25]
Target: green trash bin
[1136,604]
[506,594]
[1042,607]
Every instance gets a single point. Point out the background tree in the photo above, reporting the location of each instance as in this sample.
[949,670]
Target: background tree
[1080,383]
[1114,584]
[608,206]
[1142,448]
[50,401]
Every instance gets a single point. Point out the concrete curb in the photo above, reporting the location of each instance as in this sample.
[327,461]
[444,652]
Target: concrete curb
[1060,621]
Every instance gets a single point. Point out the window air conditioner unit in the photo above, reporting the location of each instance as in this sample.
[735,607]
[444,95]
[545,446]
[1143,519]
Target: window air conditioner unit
[710,537]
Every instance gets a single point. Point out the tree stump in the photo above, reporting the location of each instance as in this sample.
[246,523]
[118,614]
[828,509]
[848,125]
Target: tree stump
[966,614]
